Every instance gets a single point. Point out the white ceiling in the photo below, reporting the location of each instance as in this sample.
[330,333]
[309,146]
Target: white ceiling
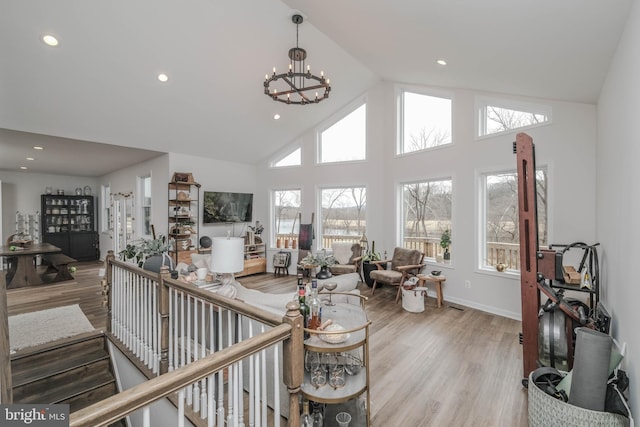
[100,83]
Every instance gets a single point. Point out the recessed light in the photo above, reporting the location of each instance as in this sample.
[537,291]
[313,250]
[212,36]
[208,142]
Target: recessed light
[30,158]
[50,40]
[441,62]
[276,116]
[23,167]
[163,77]
[37,147]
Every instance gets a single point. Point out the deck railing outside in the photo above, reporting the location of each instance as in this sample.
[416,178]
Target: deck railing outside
[504,253]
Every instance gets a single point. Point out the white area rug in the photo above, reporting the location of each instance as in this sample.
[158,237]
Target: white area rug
[40,327]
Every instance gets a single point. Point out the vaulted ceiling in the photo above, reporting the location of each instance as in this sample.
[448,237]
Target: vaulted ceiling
[100,83]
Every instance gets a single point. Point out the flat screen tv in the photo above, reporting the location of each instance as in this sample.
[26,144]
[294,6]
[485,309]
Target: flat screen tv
[220,207]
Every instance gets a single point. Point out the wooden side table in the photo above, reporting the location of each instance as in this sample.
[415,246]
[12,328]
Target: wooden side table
[423,279]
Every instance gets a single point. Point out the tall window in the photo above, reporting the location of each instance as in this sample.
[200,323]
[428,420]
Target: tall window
[345,140]
[343,215]
[424,122]
[286,207]
[496,116]
[105,205]
[501,236]
[144,185]
[292,159]
[426,216]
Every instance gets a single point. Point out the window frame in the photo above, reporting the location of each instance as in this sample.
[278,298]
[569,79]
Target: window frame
[333,120]
[105,208]
[481,235]
[284,154]
[400,90]
[480,117]
[146,233]
[272,209]
[400,226]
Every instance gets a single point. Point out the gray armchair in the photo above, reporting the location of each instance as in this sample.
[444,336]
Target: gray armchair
[405,263]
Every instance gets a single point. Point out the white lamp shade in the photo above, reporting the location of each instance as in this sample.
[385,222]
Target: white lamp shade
[227,255]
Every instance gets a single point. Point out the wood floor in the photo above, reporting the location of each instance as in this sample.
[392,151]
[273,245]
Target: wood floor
[449,366]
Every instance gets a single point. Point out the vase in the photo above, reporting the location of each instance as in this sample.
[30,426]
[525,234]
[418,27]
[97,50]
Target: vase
[324,273]
[447,255]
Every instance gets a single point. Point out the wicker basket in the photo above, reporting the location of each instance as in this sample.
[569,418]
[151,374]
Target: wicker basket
[547,411]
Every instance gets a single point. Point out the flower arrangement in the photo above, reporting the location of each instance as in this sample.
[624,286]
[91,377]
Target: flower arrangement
[141,249]
[320,260]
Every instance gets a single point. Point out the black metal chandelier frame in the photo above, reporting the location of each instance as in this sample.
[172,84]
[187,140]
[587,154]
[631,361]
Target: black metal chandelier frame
[296,79]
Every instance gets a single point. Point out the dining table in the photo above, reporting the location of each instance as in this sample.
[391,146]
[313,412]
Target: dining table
[22,267]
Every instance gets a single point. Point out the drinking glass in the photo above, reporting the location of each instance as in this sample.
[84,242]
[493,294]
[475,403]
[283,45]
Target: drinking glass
[331,286]
[343,419]
[318,372]
[336,371]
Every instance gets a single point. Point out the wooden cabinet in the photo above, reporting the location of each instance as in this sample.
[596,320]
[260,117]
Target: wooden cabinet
[184,208]
[255,259]
[68,222]
[348,352]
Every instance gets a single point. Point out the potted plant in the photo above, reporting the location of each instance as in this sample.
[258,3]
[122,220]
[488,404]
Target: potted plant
[323,261]
[149,254]
[445,242]
[368,263]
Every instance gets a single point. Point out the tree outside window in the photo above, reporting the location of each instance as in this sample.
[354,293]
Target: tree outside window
[286,207]
[501,228]
[425,122]
[343,214]
[426,215]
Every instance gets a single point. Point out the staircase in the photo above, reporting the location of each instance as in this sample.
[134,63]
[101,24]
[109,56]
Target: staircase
[76,371]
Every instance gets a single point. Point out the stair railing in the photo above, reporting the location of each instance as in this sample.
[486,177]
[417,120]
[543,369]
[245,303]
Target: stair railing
[167,326]
[6,385]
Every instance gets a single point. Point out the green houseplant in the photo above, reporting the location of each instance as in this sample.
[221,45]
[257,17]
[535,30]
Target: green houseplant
[445,242]
[368,265]
[140,250]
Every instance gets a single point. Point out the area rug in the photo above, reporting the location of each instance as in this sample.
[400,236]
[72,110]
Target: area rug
[40,327]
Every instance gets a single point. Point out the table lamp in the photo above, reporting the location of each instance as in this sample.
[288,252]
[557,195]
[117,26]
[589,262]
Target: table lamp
[227,257]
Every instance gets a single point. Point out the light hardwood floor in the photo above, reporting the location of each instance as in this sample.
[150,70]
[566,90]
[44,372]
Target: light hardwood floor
[449,366]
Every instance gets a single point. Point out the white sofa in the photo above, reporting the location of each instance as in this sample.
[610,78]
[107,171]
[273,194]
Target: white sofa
[276,303]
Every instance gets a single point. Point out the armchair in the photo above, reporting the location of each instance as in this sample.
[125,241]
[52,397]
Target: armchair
[405,263]
[348,256]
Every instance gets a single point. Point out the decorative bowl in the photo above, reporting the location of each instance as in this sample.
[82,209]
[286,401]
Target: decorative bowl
[436,272]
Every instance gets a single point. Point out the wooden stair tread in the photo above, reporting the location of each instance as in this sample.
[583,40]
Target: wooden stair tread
[58,344]
[27,374]
[69,390]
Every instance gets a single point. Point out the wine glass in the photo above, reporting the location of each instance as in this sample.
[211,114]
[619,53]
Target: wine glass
[318,374]
[330,286]
[336,371]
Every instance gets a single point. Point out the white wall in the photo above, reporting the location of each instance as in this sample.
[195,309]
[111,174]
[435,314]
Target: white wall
[618,204]
[21,191]
[125,181]
[218,175]
[566,147]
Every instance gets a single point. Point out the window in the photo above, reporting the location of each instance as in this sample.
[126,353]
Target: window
[292,159]
[144,185]
[501,239]
[426,216]
[286,207]
[424,122]
[345,140]
[495,116]
[105,205]
[343,215]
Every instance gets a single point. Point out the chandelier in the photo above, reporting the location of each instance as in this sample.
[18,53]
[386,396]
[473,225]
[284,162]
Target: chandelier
[298,85]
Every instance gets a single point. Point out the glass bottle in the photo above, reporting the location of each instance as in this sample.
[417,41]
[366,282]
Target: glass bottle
[305,420]
[304,309]
[315,306]
[317,417]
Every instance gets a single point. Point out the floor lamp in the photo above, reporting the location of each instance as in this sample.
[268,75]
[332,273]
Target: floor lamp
[227,257]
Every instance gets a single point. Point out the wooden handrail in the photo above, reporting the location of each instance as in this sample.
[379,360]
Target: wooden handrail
[6,385]
[120,405]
